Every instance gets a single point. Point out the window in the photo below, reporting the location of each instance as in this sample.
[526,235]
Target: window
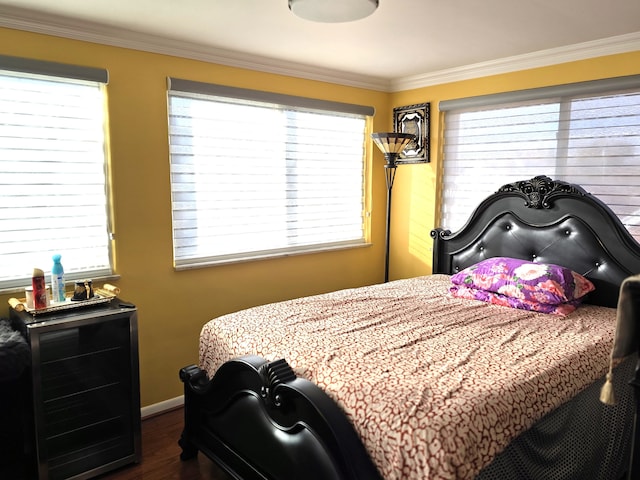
[586,133]
[53,196]
[255,174]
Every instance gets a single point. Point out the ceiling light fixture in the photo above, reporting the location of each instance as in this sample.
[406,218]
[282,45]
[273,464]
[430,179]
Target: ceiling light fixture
[333,11]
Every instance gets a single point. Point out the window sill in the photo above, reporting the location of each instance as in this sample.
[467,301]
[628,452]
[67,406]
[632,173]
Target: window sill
[266,256]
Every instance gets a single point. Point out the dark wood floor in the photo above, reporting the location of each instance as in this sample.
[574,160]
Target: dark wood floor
[161,454]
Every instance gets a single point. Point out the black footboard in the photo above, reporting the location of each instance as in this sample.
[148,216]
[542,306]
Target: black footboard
[257,420]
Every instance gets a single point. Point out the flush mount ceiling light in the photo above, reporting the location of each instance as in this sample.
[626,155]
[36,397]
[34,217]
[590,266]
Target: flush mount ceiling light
[333,11]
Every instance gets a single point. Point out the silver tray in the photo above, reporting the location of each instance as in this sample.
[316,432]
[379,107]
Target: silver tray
[67,305]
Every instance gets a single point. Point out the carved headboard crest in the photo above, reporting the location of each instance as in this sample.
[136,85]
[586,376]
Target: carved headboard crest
[539,191]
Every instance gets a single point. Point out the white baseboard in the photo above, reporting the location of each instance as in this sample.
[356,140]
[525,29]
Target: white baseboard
[160,407]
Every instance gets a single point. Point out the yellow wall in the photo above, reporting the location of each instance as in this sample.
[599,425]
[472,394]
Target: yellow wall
[414,193]
[173,306]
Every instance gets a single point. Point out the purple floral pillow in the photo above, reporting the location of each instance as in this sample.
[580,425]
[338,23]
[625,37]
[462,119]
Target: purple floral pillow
[461,291]
[528,282]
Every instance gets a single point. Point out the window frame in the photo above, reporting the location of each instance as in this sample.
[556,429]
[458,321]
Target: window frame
[67,75]
[214,92]
[564,96]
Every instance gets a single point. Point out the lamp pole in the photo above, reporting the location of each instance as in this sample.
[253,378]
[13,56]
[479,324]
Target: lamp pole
[390,174]
[391,144]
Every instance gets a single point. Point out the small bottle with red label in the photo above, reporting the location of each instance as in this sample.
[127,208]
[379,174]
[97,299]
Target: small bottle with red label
[39,289]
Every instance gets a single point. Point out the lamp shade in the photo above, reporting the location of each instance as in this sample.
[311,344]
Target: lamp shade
[333,11]
[392,142]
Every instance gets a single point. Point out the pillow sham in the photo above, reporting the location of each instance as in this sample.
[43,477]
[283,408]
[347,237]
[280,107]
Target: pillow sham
[460,291]
[544,283]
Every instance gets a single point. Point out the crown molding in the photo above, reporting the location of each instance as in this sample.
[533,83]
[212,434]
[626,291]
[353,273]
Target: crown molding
[39,22]
[59,26]
[543,58]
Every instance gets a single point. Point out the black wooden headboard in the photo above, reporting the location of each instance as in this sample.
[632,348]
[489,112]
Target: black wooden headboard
[545,221]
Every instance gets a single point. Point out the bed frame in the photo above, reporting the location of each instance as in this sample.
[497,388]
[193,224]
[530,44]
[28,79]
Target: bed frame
[257,420]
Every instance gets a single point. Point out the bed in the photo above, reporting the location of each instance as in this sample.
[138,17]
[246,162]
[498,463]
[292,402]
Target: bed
[406,380]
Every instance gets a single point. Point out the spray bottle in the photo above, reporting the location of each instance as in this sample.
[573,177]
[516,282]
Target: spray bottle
[57,280]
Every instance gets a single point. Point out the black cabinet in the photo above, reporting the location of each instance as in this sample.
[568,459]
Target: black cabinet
[85,390]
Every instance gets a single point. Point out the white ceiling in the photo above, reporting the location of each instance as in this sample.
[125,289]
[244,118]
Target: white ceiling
[403,39]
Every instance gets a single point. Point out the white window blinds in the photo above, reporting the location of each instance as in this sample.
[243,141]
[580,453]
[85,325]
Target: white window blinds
[587,134]
[53,196]
[255,174]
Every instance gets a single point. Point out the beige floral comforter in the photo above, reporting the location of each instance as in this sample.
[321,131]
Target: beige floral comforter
[435,386]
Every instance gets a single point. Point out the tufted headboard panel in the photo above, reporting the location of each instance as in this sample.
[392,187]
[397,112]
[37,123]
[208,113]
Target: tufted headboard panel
[548,222]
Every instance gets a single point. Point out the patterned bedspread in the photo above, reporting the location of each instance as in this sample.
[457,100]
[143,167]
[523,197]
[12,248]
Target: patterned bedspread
[435,386]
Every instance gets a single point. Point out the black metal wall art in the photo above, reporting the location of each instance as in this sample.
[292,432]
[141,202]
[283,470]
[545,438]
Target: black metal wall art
[414,119]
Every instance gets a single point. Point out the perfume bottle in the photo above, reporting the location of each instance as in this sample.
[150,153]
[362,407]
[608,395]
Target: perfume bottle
[39,289]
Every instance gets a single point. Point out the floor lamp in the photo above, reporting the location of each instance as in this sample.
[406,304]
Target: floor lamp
[392,144]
